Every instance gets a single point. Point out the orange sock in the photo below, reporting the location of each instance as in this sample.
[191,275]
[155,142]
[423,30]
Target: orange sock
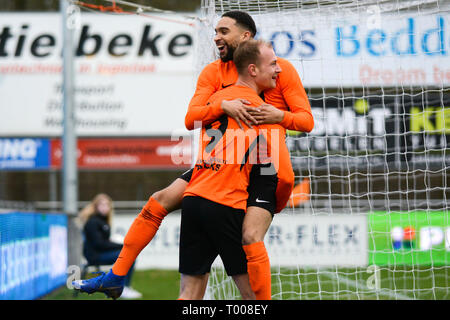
[141,232]
[258,268]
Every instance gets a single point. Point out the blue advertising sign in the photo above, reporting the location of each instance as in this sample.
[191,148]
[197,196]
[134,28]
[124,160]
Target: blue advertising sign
[24,153]
[33,254]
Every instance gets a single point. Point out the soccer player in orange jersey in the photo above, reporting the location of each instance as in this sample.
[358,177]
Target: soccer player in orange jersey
[286,105]
[215,200]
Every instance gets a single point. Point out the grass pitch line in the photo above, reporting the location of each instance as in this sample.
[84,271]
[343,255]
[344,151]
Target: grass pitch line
[361,285]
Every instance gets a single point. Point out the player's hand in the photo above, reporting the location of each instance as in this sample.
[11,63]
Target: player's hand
[238,109]
[267,114]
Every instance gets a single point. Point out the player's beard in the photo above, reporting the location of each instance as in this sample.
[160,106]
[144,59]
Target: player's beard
[229,55]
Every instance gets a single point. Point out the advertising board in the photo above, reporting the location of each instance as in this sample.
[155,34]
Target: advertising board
[33,254]
[133,75]
[409,238]
[24,153]
[291,241]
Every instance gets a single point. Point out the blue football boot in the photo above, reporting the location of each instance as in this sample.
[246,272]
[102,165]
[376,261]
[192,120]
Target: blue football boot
[108,283]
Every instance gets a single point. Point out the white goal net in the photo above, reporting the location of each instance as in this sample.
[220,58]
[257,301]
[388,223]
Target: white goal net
[371,221]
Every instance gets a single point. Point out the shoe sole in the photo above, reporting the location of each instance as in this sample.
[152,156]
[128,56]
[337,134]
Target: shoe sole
[106,291]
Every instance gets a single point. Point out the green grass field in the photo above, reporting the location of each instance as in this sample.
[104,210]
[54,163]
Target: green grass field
[153,284]
[325,284]
[360,284]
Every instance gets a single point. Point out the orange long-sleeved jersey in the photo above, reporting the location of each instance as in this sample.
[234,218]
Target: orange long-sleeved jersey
[288,95]
[227,153]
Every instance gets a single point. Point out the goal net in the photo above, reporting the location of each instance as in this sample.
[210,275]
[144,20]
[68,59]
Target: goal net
[369,218]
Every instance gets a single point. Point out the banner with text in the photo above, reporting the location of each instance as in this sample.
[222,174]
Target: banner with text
[33,254]
[154,153]
[96,153]
[368,49]
[291,241]
[409,238]
[375,132]
[133,75]
[24,153]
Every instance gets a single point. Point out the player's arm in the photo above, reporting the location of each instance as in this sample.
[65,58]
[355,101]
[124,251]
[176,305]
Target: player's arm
[201,110]
[299,116]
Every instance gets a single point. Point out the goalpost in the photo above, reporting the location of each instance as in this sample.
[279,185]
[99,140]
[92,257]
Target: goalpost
[371,221]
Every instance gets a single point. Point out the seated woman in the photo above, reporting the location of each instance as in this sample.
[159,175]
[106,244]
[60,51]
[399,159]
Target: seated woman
[98,249]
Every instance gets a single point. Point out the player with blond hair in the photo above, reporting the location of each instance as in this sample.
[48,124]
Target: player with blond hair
[215,200]
[286,105]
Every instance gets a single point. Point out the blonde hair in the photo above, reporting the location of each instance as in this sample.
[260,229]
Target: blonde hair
[248,52]
[91,209]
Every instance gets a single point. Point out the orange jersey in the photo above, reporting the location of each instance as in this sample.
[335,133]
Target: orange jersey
[288,95]
[227,153]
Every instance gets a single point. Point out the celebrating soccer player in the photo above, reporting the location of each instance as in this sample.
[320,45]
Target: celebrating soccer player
[286,105]
[215,200]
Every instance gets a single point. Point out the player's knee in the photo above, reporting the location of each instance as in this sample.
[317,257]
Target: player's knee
[170,197]
[159,196]
[250,235]
[165,199]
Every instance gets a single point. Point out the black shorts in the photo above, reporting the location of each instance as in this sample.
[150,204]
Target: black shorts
[262,188]
[186,176]
[209,229]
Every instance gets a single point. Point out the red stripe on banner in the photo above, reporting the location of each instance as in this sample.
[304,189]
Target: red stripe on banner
[127,153]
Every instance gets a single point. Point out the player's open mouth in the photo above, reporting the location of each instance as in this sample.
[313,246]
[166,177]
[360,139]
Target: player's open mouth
[221,48]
